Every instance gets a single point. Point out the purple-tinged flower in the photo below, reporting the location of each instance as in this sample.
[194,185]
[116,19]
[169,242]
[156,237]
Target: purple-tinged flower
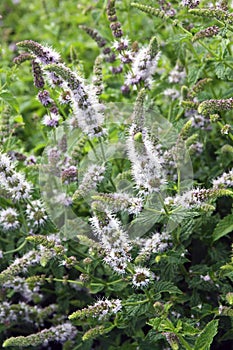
[121,45]
[144,65]
[172,93]
[190,3]
[65,97]
[176,75]
[44,98]
[69,174]
[38,76]
[44,54]
[51,120]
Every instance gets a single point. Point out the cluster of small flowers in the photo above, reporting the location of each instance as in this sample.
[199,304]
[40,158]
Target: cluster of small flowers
[176,75]
[146,162]
[101,42]
[69,174]
[13,182]
[208,32]
[88,112]
[196,147]
[211,106]
[51,120]
[114,240]
[172,93]
[9,219]
[102,309]
[205,278]
[199,121]
[44,55]
[13,313]
[92,177]
[224,181]
[167,8]
[60,334]
[142,277]
[190,3]
[89,116]
[117,202]
[20,265]
[144,65]
[19,285]
[192,198]
[225,129]
[36,213]
[112,17]
[157,243]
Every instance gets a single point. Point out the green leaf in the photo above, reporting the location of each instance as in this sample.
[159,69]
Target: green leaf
[166,287]
[195,72]
[96,288]
[224,227]
[9,98]
[137,306]
[206,336]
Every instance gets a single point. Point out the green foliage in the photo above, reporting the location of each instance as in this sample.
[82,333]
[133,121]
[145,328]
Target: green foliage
[205,338]
[223,227]
[65,281]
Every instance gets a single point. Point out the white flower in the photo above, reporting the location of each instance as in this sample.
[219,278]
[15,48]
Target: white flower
[9,219]
[93,176]
[177,75]
[172,93]
[142,277]
[36,214]
[205,278]
[157,243]
[143,67]
[223,181]
[146,162]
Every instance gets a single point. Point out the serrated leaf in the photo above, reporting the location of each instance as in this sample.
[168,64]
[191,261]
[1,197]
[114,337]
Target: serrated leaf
[206,336]
[166,287]
[194,73]
[135,310]
[95,288]
[155,322]
[224,227]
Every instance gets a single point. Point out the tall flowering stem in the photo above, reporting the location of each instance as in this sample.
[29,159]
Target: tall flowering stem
[213,13]
[150,10]
[59,334]
[112,17]
[88,112]
[211,106]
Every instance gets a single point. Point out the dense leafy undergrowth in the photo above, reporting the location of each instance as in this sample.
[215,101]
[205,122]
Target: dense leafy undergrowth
[116,175]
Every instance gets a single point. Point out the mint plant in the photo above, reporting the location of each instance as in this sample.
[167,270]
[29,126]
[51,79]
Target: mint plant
[116,186]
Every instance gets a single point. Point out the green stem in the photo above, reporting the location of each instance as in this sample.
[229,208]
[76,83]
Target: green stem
[64,280]
[136,302]
[93,148]
[163,204]
[178,180]
[16,249]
